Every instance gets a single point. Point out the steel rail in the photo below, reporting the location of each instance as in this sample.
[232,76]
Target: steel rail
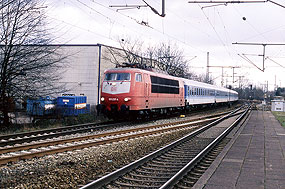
[57,149]
[179,175]
[19,138]
[113,133]
[49,133]
[44,131]
[64,132]
[41,153]
[94,136]
[116,174]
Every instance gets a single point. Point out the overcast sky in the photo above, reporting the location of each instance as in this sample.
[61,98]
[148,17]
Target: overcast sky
[194,28]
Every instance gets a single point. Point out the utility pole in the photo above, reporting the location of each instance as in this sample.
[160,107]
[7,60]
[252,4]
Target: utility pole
[233,75]
[207,71]
[222,82]
[239,83]
[275,84]
[232,67]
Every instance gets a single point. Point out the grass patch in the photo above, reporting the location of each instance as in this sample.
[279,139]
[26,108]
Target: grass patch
[280,116]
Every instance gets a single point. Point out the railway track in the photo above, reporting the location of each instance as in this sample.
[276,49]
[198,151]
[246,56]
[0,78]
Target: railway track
[38,149]
[26,137]
[166,167]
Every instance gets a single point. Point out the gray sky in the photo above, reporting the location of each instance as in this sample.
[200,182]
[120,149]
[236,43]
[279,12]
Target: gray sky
[195,28]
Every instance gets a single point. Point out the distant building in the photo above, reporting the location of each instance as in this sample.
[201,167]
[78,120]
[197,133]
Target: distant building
[278,104]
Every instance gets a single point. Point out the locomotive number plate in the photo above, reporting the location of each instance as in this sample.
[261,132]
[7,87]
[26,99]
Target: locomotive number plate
[113,99]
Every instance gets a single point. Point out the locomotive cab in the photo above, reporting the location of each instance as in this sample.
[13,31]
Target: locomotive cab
[121,90]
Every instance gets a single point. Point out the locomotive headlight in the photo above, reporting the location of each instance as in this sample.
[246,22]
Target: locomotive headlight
[102,99]
[127,99]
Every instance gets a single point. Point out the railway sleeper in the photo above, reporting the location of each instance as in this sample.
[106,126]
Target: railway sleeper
[186,156]
[189,181]
[148,176]
[202,167]
[214,153]
[207,161]
[192,175]
[129,185]
[183,187]
[143,179]
[169,163]
[152,173]
[211,156]
[184,153]
[164,166]
[166,156]
[161,169]
[199,171]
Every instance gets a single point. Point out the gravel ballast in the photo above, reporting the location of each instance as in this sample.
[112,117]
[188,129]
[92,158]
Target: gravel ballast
[71,169]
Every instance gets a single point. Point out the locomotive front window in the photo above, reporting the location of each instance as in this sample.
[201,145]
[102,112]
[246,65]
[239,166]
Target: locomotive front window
[117,77]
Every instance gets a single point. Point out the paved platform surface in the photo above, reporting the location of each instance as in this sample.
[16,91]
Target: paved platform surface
[254,158]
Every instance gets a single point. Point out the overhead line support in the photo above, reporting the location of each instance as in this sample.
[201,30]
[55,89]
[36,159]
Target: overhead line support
[263,55]
[237,2]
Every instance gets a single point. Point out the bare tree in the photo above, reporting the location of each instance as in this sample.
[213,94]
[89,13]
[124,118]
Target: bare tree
[27,64]
[203,78]
[169,59]
[129,52]
[165,57]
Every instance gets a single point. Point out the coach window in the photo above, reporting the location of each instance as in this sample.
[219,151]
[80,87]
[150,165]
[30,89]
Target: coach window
[138,77]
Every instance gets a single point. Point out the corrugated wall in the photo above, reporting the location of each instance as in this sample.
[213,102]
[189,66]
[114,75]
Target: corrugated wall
[80,71]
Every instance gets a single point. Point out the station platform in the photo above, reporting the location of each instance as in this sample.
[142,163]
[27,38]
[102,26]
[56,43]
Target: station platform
[254,157]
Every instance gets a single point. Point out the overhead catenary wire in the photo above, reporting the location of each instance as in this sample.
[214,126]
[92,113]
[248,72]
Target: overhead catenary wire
[152,28]
[220,39]
[129,27]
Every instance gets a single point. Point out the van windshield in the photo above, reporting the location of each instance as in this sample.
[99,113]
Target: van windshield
[117,77]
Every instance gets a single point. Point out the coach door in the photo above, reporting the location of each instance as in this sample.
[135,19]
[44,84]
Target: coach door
[146,89]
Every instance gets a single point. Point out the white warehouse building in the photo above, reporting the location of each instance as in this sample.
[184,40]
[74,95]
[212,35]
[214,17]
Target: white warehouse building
[80,74]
